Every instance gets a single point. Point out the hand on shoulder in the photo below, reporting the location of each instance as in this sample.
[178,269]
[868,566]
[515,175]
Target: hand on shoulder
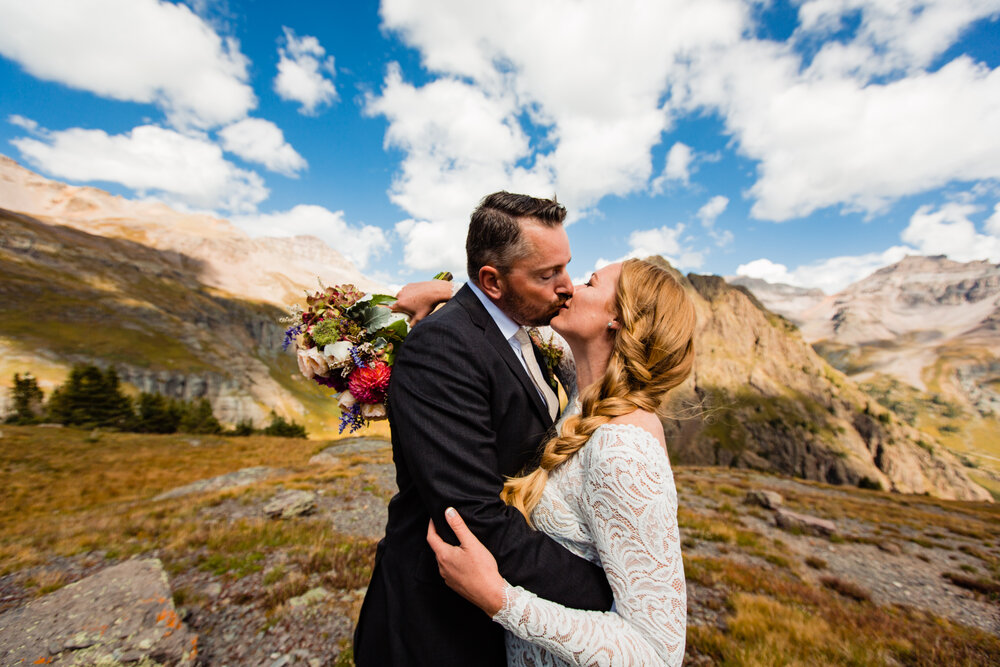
[646,420]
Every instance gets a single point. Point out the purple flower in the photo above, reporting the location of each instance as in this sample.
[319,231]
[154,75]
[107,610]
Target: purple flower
[290,335]
[358,361]
[351,418]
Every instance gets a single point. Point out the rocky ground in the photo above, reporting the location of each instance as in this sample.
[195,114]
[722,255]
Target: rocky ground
[284,608]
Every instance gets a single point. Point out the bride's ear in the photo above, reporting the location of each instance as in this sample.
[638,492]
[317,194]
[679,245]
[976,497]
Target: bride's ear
[490,282]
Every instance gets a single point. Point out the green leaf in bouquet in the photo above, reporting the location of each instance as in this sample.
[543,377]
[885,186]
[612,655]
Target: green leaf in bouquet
[395,330]
[382,300]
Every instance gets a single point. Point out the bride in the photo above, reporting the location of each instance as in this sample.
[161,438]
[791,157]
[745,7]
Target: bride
[604,488]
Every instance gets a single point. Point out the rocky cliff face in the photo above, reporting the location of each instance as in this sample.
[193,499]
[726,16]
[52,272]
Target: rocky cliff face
[760,397]
[67,297]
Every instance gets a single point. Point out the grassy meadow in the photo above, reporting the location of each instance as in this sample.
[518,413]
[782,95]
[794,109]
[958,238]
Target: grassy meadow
[757,595]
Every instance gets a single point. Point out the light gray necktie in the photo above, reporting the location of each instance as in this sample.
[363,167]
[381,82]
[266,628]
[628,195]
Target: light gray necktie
[528,352]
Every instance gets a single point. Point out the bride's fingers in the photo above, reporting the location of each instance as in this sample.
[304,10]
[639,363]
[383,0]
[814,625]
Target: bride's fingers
[434,539]
[462,532]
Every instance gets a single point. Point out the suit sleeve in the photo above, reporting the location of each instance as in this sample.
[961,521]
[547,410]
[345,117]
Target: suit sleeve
[440,402]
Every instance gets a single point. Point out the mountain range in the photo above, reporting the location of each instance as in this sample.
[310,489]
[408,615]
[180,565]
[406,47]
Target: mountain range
[189,305]
[922,336]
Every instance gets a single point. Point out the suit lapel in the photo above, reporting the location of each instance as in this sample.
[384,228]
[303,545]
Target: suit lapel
[468,300]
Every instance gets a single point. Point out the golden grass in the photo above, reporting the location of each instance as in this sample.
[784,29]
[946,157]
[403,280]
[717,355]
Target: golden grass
[778,620]
[60,495]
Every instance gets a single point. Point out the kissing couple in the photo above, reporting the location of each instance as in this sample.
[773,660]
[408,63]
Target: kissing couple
[562,529]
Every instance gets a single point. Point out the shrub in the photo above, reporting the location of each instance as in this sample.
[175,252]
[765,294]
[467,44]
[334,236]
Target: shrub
[244,427]
[284,429]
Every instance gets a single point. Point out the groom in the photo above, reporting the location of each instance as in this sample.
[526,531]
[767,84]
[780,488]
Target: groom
[465,413]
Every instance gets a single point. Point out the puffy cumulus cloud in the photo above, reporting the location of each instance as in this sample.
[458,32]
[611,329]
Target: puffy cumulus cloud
[823,141]
[902,35]
[677,167]
[667,242]
[830,275]
[359,243]
[949,231]
[180,169]
[596,92]
[305,73]
[461,143]
[136,50]
[261,141]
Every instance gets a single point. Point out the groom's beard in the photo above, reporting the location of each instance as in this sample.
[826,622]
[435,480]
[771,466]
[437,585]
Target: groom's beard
[528,314]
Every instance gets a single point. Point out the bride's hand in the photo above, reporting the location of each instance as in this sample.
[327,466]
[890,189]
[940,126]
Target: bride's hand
[419,299]
[469,569]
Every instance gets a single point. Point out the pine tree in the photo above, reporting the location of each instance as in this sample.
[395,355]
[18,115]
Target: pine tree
[157,414]
[198,418]
[91,398]
[284,429]
[27,399]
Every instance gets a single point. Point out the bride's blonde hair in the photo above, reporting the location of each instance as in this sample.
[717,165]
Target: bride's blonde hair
[653,353]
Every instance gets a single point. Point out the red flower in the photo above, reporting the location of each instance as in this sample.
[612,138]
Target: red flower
[369,384]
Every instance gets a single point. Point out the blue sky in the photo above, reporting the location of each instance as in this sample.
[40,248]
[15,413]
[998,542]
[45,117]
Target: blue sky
[802,141]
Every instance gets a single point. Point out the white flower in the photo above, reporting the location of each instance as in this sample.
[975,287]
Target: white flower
[312,363]
[338,354]
[347,401]
[373,411]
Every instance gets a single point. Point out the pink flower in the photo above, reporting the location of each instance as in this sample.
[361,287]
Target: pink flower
[369,384]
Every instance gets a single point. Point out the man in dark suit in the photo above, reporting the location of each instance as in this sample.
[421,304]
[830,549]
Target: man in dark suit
[464,413]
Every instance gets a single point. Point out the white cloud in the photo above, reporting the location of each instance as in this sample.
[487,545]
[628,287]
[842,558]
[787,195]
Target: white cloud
[461,144]
[667,242]
[595,93]
[993,222]
[677,167]
[830,275]
[949,231]
[712,210]
[22,122]
[135,50]
[182,169]
[359,243]
[261,141]
[305,73]
[901,35]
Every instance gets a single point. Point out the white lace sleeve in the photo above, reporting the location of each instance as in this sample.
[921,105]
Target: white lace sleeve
[631,502]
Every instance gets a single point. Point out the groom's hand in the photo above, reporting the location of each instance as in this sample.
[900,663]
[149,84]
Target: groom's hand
[469,569]
[418,300]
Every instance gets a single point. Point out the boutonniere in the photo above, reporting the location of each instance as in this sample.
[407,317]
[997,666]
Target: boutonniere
[552,354]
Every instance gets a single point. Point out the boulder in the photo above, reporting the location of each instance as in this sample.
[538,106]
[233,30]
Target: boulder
[795,522]
[291,503]
[767,499]
[232,480]
[123,613]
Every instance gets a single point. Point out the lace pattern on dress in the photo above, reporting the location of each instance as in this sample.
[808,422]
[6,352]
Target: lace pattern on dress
[613,503]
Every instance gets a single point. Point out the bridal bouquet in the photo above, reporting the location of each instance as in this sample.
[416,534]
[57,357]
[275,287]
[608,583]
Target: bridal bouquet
[346,340]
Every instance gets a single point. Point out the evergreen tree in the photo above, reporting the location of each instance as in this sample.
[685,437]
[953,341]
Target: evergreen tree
[243,427]
[158,414]
[27,399]
[90,398]
[284,429]
[198,418]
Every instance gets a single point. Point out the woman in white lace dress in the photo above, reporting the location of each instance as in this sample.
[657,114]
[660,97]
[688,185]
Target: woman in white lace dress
[604,488]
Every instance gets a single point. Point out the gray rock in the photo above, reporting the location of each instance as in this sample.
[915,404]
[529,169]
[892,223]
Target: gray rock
[310,597]
[232,480]
[323,459]
[766,499]
[125,611]
[292,503]
[793,521]
[890,548]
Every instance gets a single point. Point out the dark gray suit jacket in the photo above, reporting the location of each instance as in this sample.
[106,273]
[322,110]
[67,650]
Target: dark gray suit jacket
[464,414]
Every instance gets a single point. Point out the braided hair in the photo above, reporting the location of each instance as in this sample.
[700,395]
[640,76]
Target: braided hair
[653,353]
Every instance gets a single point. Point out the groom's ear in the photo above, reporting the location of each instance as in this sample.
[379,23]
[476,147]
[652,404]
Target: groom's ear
[490,282]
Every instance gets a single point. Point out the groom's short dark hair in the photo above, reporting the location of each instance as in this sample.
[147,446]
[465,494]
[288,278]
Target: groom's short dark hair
[495,237]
